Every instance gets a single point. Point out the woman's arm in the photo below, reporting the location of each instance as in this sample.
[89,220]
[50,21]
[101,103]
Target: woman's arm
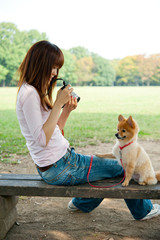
[63,97]
[70,106]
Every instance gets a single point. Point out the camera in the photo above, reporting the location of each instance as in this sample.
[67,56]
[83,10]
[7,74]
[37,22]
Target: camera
[73,94]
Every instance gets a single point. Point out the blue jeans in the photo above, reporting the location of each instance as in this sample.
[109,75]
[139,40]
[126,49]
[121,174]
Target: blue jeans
[72,169]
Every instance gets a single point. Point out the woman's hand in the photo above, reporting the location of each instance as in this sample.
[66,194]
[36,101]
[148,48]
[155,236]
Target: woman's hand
[71,105]
[64,95]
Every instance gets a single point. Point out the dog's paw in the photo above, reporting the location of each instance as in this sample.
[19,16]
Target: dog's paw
[142,183]
[101,155]
[98,154]
[125,183]
[106,155]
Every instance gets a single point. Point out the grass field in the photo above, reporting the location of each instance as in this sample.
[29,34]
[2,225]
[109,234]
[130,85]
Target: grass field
[94,120]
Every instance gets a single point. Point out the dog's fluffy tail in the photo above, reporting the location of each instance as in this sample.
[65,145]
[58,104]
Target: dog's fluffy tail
[158,175]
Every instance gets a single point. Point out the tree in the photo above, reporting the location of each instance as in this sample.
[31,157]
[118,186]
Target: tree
[92,69]
[104,73]
[128,72]
[3,73]
[85,68]
[7,38]
[155,78]
[148,67]
[68,71]
[80,52]
[13,47]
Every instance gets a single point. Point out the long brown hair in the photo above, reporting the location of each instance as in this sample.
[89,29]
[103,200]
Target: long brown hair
[36,69]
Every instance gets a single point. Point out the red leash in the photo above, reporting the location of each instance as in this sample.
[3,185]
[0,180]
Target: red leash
[63,132]
[90,166]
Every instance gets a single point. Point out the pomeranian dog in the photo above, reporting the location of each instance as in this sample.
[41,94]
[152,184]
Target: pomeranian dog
[135,160]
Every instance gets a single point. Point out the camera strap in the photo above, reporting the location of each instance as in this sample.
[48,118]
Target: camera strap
[53,81]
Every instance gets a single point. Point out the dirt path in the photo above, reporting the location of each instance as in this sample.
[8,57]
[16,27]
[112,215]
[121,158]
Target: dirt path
[48,218]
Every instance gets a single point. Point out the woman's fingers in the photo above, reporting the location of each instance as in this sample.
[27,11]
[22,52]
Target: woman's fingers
[69,89]
[64,95]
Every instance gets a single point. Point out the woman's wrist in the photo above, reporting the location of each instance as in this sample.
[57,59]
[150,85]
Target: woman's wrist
[66,110]
[65,114]
[58,104]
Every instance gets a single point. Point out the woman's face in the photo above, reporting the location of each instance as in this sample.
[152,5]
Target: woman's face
[53,73]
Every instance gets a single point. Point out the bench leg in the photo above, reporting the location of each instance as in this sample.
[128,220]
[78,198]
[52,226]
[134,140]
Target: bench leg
[8,214]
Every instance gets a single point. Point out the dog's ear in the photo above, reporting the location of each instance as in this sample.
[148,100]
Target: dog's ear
[121,118]
[131,122]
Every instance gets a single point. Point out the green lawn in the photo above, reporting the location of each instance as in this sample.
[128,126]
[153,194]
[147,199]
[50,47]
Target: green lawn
[94,120]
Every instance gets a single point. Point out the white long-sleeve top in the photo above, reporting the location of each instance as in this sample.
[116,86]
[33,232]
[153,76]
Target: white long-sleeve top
[31,117]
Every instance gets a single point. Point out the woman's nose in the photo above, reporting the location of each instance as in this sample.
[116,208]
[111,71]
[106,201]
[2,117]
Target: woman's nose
[54,72]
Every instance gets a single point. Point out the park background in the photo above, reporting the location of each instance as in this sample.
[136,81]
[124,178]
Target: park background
[112,58]
[105,43]
[81,67]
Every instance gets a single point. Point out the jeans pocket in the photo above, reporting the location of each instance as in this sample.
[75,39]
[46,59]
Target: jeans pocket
[70,180]
[64,172]
[55,176]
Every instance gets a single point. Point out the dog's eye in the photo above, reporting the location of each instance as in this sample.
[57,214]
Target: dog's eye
[123,130]
[118,129]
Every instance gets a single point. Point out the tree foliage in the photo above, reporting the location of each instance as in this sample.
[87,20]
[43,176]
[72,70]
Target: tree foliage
[127,71]
[79,52]
[104,72]
[68,71]
[138,70]
[81,67]
[13,47]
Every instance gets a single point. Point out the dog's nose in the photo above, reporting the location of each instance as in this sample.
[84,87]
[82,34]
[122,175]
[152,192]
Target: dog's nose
[116,135]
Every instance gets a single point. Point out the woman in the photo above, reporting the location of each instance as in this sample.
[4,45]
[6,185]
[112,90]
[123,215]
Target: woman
[42,120]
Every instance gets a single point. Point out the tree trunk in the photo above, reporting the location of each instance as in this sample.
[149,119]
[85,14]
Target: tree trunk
[4,83]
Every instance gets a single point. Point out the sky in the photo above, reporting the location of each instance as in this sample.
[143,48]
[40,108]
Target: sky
[111,28]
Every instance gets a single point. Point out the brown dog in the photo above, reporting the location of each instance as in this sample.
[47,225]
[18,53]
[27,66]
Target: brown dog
[135,160]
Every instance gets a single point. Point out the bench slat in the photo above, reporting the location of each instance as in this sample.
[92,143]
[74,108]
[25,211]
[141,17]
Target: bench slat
[5,176]
[32,185]
[33,177]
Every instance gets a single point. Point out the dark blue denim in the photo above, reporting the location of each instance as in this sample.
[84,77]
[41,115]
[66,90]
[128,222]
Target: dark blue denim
[72,169]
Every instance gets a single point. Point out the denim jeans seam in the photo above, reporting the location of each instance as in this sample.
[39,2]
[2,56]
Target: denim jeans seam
[66,179]
[58,176]
[72,180]
[69,159]
[75,166]
[81,167]
[80,180]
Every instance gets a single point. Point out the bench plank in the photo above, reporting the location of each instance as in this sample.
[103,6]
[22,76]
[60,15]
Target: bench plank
[5,176]
[33,185]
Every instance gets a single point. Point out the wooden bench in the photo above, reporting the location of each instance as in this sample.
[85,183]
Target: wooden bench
[12,185]
[33,185]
